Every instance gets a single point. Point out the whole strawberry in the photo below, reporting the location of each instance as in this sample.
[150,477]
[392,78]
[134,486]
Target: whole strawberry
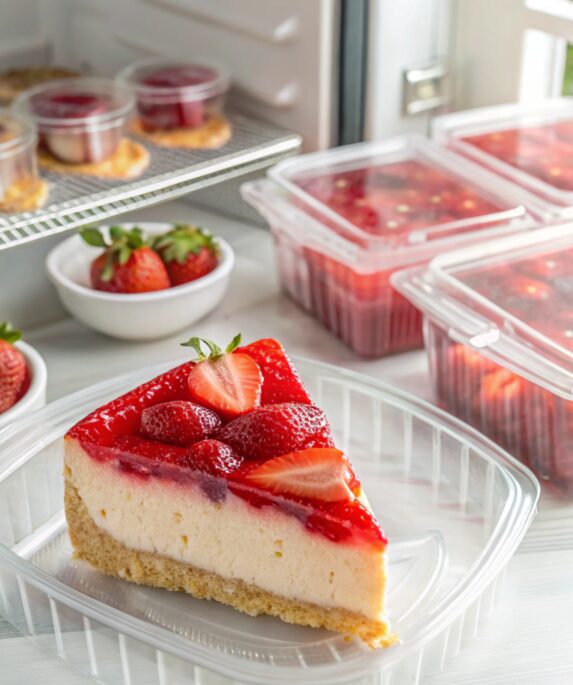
[188,252]
[14,373]
[127,265]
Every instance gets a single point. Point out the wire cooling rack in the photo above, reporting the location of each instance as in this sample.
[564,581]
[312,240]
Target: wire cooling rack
[79,200]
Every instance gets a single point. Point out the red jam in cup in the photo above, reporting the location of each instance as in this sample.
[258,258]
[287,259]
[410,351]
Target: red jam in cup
[79,120]
[175,95]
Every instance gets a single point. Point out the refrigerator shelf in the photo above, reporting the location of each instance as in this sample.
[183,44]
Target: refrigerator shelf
[79,200]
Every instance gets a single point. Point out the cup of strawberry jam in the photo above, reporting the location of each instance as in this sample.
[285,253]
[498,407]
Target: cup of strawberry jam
[79,120]
[176,95]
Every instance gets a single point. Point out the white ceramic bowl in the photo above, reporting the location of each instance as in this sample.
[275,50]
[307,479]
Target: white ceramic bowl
[141,316]
[36,395]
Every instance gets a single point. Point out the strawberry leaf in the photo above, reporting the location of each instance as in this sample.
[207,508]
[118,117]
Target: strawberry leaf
[93,237]
[117,233]
[183,240]
[107,271]
[9,334]
[135,238]
[235,342]
[214,350]
[124,254]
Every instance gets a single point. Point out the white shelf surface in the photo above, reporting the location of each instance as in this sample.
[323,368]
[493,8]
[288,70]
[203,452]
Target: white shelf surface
[529,640]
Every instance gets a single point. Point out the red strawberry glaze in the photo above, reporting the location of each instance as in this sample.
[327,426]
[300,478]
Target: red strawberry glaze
[111,433]
[281,382]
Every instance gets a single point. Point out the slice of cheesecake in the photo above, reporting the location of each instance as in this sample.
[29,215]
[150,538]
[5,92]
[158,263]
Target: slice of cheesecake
[220,478]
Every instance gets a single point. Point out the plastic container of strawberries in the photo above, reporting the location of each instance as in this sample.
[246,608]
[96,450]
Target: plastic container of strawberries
[345,219]
[528,144]
[454,505]
[499,337]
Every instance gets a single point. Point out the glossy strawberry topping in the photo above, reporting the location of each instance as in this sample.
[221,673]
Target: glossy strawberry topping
[279,455]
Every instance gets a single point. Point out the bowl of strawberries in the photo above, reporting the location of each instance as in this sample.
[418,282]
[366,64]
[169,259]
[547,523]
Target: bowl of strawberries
[23,376]
[141,282]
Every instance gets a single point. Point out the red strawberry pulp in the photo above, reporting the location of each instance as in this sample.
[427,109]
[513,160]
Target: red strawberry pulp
[180,76]
[112,434]
[159,111]
[72,105]
[545,152]
[394,199]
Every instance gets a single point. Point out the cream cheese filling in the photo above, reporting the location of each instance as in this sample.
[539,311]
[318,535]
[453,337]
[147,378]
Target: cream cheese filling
[263,547]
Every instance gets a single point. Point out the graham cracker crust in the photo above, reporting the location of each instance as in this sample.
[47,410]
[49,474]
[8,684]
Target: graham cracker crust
[24,195]
[105,553]
[130,160]
[212,135]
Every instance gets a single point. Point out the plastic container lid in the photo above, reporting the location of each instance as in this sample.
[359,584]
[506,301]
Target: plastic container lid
[116,102]
[509,299]
[17,133]
[531,145]
[207,80]
[406,197]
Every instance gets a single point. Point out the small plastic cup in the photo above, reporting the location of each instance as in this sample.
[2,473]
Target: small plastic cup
[79,120]
[175,95]
[17,151]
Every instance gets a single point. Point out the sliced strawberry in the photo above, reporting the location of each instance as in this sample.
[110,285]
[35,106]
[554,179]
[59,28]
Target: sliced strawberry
[316,473]
[228,382]
[178,422]
[281,382]
[276,429]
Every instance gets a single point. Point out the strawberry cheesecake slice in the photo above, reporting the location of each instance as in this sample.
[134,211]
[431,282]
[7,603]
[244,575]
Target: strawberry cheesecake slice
[220,478]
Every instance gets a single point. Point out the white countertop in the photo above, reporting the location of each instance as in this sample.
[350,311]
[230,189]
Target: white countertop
[530,638]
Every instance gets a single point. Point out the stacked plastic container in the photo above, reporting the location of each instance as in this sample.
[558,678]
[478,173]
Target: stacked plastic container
[530,145]
[344,220]
[499,335]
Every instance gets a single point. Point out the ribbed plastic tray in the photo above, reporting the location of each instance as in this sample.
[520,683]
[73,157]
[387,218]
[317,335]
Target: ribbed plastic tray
[77,200]
[454,506]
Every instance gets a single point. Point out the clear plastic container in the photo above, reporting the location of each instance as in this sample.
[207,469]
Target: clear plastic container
[173,95]
[17,152]
[79,120]
[529,144]
[344,220]
[499,337]
[454,506]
